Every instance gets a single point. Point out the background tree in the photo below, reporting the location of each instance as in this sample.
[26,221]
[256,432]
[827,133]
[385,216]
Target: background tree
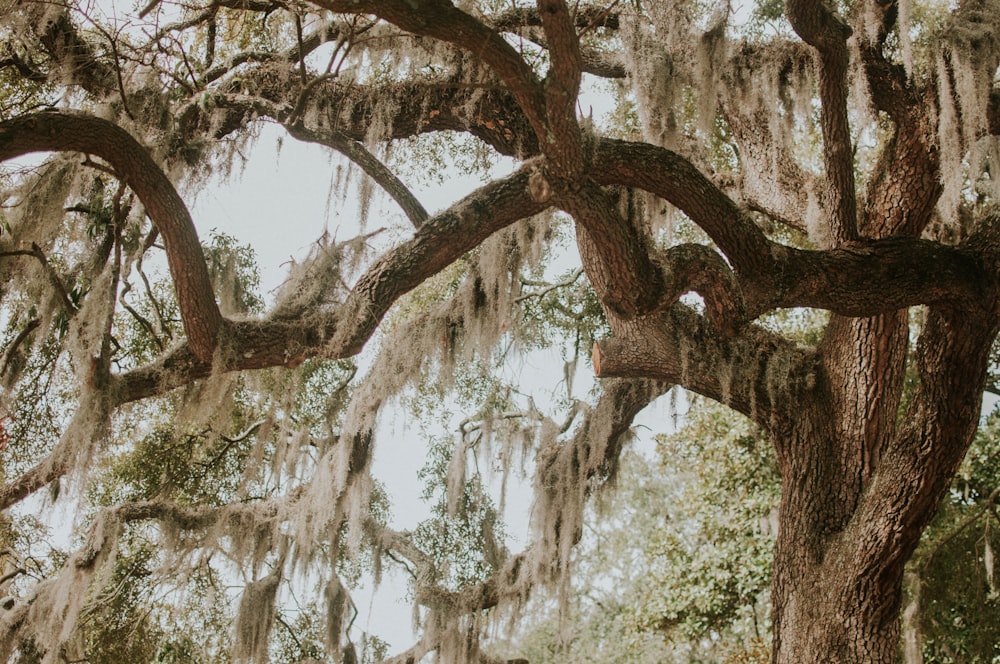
[676,565]
[837,158]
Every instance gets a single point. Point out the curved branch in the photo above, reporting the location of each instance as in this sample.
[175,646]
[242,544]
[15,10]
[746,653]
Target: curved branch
[675,179]
[862,278]
[368,163]
[343,330]
[11,348]
[436,244]
[59,131]
[442,20]
[698,269]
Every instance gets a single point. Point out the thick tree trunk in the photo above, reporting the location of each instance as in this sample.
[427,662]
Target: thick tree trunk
[859,487]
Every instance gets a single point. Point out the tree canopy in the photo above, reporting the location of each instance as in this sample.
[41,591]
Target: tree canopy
[833,158]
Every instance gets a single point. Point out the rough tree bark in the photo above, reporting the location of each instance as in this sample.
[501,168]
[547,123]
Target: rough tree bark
[863,464]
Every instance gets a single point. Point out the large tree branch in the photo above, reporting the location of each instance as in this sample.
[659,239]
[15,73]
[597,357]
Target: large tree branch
[865,279]
[624,276]
[751,372]
[440,19]
[862,279]
[343,329]
[905,184]
[60,131]
[562,141]
[915,471]
[822,29]
[483,110]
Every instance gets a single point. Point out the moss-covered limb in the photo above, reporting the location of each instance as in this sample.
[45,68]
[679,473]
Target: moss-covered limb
[755,373]
[482,109]
[86,429]
[891,92]
[62,131]
[368,163]
[50,469]
[70,54]
[821,28]
[568,472]
[771,181]
[342,330]
[440,241]
[440,19]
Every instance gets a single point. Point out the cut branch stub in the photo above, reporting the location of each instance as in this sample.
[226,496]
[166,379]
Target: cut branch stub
[61,131]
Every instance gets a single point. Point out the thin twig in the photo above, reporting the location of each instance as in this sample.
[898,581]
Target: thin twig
[568,281]
[989,504]
[18,340]
[36,252]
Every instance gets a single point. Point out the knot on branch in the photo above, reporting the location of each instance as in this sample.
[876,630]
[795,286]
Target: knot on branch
[697,268]
[539,188]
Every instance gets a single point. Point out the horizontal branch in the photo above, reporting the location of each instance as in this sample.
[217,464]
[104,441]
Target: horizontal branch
[748,372]
[442,20]
[342,330]
[869,278]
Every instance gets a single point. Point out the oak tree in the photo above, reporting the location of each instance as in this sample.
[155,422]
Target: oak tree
[834,157]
